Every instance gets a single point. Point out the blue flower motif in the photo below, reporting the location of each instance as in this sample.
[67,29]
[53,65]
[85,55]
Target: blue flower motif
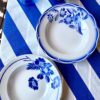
[33,83]
[39,63]
[50,17]
[62,12]
[43,66]
[68,20]
[45,72]
[70,16]
[56,82]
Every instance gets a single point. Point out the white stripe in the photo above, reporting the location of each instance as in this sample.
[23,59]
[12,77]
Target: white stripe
[72,1]
[89,77]
[67,93]
[43,5]
[98,1]
[6,53]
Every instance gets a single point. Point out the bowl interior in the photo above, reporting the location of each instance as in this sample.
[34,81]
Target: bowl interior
[19,88]
[67,32]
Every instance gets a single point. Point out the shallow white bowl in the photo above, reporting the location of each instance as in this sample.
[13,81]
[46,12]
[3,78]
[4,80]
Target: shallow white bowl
[30,77]
[67,33]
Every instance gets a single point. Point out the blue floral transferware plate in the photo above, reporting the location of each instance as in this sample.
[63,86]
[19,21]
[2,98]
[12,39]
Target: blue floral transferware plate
[30,77]
[67,33]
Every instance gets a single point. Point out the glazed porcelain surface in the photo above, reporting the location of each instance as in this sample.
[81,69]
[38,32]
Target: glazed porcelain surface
[67,33]
[30,77]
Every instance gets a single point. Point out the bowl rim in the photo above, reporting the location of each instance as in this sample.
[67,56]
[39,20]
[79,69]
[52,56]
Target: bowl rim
[62,60]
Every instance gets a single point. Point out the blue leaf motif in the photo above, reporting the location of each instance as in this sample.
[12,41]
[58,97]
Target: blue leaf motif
[48,65]
[36,62]
[77,18]
[61,21]
[47,79]
[50,17]
[56,82]
[40,76]
[72,26]
[85,17]
[83,13]
[79,29]
[33,83]
[62,12]
[32,66]
[41,59]
[51,72]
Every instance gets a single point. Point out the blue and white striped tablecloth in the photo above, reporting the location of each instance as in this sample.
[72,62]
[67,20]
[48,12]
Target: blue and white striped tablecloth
[19,37]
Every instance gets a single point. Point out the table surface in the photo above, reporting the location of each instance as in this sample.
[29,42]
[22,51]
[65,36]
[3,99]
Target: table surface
[67,93]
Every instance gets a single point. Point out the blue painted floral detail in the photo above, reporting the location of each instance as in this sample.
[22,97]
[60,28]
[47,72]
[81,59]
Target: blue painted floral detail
[71,17]
[27,59]
[62,12]
[68,20]
[54,10]
[45,72]
[33,83]
[55,84]
[40,76]
[50,17]
[83,13]
[32,66]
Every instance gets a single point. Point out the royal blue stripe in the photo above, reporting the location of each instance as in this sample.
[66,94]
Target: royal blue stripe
[93,7]
[1,65]
[14,37]
[55,2]
[75,82]
[32,13]
[94,60]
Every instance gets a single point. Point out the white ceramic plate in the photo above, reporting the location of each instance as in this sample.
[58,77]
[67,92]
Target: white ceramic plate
[67,33]
[30,77]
